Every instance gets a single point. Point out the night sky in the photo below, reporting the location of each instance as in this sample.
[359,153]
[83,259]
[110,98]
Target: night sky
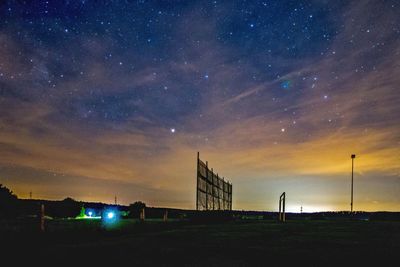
[105,98]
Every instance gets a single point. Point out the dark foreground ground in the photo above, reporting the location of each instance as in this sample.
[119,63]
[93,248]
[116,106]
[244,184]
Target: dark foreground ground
[240,243]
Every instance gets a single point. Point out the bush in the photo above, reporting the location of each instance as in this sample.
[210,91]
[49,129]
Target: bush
[8,202]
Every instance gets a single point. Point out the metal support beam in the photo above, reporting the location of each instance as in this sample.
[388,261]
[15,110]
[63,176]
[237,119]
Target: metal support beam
[206,185]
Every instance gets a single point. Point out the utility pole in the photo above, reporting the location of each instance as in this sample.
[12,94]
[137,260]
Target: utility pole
[30,195]
[353,156]
[115,200]
[197,181]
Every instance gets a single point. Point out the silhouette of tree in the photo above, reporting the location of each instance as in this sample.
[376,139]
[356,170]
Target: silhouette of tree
[135,208]
[69,208]
[6,194]
[69,199]
[8,202]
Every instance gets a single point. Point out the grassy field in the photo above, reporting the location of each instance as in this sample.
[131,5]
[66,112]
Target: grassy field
[240,243]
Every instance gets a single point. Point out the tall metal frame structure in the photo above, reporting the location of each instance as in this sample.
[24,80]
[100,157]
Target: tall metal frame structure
[212,191]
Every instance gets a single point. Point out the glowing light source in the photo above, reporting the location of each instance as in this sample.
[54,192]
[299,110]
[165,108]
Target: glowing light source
[87,214]
[110,215]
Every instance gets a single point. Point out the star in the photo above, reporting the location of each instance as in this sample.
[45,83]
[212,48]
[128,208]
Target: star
[285,84]
[239,77]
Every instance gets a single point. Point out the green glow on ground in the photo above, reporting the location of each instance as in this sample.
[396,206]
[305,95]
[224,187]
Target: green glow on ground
[82,216]
[88,218]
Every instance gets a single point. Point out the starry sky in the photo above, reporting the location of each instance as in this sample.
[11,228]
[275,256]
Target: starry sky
[105,98]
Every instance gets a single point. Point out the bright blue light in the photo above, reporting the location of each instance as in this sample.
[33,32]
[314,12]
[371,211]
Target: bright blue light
[110,216]
[90,213]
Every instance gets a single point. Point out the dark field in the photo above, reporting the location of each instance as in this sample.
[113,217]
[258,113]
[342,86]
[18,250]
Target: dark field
[239,243]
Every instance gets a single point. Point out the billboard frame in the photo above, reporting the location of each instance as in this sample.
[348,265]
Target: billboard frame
[212,191]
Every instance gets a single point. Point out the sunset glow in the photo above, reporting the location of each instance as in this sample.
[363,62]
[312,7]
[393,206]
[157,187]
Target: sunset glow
[97,104]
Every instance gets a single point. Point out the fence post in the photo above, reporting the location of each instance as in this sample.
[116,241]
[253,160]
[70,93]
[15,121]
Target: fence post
[166,215]
[142,214]
[42,218]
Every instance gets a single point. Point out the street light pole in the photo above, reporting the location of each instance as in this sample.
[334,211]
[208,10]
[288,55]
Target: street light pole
[352,175]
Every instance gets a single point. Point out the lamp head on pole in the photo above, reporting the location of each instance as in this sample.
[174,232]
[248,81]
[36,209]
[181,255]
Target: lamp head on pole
[353,156]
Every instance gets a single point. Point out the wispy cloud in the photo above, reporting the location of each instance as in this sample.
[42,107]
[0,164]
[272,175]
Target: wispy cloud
[92,117]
